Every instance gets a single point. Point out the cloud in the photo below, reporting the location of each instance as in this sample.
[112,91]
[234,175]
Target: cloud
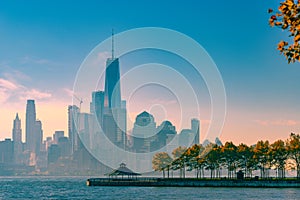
[29,60]
[13,92]
[68,92]
[7,85]
[36,94]
[15,75]
[277,122]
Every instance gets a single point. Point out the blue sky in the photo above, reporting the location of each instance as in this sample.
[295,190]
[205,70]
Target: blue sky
[42,44]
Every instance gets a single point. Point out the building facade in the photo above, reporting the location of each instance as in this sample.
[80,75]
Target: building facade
[195,127]
[144,132]
[30,126]
[73,113]
[17,139]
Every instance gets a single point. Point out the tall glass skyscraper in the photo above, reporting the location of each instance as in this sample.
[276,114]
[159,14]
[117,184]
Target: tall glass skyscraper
[97,105]
[112,98]
[114,112]
[30,125]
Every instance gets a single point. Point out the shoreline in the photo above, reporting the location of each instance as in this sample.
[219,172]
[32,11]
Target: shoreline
[179,182]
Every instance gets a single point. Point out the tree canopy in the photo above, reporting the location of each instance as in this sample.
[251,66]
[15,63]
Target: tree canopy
[262,156]
[287,18]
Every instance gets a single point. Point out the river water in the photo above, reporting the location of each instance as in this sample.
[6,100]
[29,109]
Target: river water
[75,188]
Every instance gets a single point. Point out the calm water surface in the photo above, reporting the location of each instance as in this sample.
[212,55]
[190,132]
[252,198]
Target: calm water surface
[75,188]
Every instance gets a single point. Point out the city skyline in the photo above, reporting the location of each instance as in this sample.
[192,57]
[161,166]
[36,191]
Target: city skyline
[261,88]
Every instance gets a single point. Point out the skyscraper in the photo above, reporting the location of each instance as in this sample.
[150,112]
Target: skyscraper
[17,139]
[57,135]
[30,125]
[38,136]
[112,98]
[144,132]
[165,133]
[73,112]
[195,127]
[114,113]
[97,105]
[186,138]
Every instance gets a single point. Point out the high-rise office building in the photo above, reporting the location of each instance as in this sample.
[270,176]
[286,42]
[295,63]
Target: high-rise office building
[38,132]
[6,152]
[144,132]
[64,145]
[112,97]
[195,127]
[73,113]
[30,126]
[97,105]
[186,138]
[114,112]
[165,133]
[17,139]
[57,135]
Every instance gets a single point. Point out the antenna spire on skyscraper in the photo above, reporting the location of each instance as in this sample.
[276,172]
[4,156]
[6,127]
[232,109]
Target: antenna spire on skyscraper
[112,44]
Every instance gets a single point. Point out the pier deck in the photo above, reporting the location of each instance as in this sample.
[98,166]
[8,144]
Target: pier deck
[192,182]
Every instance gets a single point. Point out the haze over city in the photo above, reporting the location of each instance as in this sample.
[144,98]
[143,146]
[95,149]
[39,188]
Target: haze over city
[149,99]
[40,57]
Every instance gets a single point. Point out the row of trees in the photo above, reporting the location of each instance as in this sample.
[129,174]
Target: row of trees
[280,155]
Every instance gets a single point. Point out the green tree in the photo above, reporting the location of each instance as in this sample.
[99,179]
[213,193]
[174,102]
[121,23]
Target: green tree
[261,156]
[179,160]
[245,159]
[193,159]
[161,161]
[212,160]
[293,148]
[279,155]
[287,18]
[230,158]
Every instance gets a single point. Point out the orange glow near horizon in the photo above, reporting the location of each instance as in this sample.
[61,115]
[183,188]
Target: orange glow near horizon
[246,129]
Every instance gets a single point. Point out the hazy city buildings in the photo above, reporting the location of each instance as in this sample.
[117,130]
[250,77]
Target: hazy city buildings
[113,119]
[165,134]
[6,151]
[97,105]
[195,127]
[30,126]
[186,137]
[38,136]
[57,135]
[112,93]
[17,139]
[64,155]
[144,132]
[73,112]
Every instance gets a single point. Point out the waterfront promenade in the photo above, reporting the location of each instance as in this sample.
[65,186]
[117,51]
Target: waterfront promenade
[192,182]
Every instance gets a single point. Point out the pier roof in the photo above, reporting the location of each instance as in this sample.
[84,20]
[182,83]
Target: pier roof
[123,171]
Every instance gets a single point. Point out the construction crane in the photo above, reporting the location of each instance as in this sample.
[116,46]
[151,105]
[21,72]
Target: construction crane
[80,101]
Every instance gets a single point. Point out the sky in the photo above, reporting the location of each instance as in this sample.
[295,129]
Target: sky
[43,43]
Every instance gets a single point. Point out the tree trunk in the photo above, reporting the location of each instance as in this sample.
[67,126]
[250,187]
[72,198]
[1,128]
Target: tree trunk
[298,170]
